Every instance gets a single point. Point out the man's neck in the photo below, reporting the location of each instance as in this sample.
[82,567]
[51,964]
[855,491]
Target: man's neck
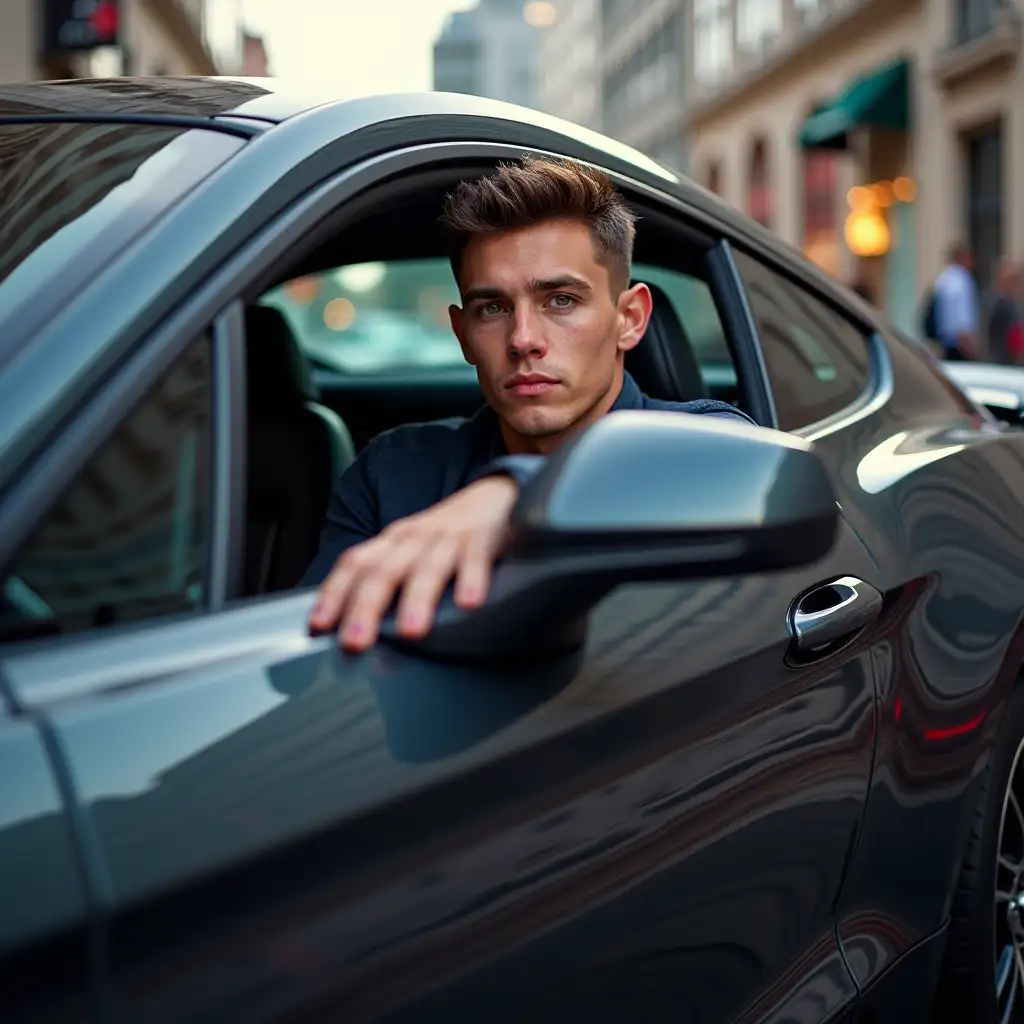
[522,444]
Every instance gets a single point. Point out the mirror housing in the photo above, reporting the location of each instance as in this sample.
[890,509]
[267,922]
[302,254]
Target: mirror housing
[640,496]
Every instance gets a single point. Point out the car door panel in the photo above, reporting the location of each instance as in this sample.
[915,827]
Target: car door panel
[44,924]
[663,819]
[949,653]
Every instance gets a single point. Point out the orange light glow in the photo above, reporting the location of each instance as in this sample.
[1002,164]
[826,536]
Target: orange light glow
[339,314]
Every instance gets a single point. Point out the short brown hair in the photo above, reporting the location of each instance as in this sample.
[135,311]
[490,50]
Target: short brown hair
[533,190]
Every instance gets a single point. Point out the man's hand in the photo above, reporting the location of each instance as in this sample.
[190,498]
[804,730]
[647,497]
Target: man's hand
[461,537]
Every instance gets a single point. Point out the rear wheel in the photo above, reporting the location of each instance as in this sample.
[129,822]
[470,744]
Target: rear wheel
[983,977]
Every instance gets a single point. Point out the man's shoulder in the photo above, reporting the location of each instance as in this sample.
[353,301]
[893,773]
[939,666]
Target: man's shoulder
[699,406]
[431,439]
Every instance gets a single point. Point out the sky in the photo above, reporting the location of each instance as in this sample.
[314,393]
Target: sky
[356,46]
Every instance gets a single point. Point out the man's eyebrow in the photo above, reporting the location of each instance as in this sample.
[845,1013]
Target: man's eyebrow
[489,293]
[552,284]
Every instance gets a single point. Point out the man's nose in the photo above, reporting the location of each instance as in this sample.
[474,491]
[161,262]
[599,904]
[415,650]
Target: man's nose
[527,335]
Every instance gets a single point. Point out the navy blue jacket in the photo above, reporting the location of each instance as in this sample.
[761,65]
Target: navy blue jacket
[408,469]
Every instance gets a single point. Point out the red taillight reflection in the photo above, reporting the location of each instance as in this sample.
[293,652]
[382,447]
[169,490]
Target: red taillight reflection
[955,730]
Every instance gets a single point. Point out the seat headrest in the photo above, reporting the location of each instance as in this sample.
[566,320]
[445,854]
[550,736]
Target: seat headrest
[663,364]
[279,376]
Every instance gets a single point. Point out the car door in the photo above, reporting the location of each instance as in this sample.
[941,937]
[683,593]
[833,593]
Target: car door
[657,826]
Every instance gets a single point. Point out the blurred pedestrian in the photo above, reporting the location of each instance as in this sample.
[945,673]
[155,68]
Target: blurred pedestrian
[953,316]
[1004,325]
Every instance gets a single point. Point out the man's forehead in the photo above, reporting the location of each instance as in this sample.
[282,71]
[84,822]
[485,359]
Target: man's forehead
[549,250]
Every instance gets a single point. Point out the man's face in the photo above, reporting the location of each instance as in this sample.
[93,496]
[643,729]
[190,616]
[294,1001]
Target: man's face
[541,324]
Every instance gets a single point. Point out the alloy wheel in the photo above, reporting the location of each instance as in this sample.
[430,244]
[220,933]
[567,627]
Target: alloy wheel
[1009,898]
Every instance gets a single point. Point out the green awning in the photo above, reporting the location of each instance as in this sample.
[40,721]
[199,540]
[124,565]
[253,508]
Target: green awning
[880,99]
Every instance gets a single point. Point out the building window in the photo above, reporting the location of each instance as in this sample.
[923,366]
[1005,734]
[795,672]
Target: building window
[654,71]
[712,59]
[975,17]
[759,195]
[809,11]
[985,200]
[758,24]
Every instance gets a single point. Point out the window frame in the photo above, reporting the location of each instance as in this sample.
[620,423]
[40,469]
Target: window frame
[293,231]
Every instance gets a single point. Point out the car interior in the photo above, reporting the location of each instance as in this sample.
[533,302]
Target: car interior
[308,421]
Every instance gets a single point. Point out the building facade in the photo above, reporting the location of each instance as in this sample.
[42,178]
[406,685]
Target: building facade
[820,117]
[569,67]
[157,37]
[644,45]
[490,50]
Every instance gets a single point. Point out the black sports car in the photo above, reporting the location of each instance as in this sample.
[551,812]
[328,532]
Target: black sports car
[736,738]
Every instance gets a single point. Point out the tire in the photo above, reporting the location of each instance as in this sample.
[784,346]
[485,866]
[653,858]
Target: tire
[967,987]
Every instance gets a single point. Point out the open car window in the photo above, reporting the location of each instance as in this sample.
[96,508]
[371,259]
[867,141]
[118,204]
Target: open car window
[370,319]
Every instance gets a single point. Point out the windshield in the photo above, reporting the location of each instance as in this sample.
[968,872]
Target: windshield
[73,196]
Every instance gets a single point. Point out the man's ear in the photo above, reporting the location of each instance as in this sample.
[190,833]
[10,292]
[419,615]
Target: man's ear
[635,305]
[456,316]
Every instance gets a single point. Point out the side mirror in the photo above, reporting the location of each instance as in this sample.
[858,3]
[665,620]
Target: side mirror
[640,496]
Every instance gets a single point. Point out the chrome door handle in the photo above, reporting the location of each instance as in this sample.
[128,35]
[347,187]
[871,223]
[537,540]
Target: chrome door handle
[832,611]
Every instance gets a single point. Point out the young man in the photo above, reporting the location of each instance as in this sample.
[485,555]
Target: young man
[956,306]
[542,254]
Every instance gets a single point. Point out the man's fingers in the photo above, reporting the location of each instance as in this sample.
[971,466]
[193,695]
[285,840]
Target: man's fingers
[372,594]
[334,591]
[473,575]
[424,587]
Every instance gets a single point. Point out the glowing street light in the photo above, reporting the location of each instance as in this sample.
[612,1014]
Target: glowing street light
[540,13]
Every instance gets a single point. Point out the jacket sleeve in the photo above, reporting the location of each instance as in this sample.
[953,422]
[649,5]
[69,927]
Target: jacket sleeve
[523,468]
[353,515]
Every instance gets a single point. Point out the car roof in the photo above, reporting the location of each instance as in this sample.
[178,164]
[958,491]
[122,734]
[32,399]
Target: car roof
[273,101]
[262,103]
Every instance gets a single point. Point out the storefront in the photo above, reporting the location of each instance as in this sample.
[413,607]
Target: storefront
[870,120]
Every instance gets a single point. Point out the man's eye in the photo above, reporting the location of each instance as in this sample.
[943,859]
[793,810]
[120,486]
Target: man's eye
[490,308]
[563,301]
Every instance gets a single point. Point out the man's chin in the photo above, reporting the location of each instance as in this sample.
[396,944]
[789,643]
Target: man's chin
[539,422]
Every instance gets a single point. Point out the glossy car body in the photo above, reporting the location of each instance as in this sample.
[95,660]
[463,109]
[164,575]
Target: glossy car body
[213,816]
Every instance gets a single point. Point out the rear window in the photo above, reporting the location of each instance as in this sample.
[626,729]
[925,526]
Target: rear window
[72,196]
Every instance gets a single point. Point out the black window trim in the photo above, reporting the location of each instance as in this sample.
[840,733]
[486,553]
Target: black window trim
[750,364]
[226,558]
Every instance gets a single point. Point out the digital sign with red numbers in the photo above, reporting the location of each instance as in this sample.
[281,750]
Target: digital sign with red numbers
[74,25]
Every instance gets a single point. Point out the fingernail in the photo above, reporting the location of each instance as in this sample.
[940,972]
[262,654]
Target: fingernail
[410,620]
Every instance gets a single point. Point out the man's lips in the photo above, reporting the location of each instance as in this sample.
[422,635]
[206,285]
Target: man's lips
[531,384]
